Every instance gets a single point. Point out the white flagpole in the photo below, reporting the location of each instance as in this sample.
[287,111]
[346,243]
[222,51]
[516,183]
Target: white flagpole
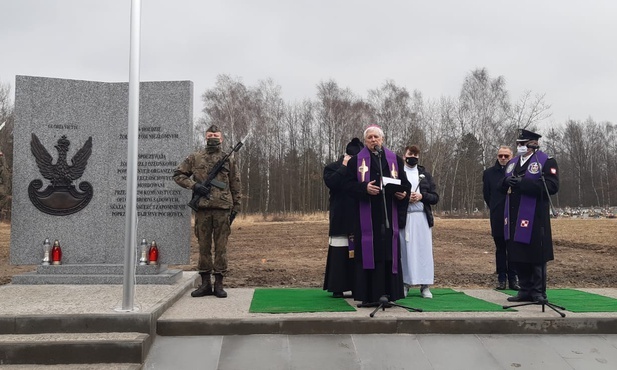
[130,244]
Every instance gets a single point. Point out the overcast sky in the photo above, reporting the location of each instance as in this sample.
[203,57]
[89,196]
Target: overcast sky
[566,49]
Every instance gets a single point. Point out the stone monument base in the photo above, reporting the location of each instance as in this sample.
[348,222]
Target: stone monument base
[96,274]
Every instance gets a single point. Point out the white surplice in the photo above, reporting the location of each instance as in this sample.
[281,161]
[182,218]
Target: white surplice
[416,241]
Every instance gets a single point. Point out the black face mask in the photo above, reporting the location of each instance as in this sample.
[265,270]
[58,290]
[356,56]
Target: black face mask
[213,141]
[412,161]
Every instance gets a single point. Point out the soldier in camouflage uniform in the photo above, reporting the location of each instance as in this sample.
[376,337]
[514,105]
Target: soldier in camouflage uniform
[212,220]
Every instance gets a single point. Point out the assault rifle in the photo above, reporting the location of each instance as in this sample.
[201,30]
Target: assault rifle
[211,180]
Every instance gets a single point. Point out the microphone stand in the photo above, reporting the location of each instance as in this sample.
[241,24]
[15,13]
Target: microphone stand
[383,194]
[384,301]
[544,301]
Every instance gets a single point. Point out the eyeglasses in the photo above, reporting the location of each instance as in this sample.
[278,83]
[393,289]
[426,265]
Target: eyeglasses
[521,143]
[503,155]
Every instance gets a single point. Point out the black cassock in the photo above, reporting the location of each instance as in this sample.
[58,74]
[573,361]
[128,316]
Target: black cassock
[371,284]
[339,266]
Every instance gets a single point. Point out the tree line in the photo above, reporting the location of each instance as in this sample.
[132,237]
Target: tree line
[6,143]
[290,143]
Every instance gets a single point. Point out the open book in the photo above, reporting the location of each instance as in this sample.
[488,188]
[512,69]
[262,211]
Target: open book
[393,185]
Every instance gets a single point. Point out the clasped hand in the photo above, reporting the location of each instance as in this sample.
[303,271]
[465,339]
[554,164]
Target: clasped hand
[513,181]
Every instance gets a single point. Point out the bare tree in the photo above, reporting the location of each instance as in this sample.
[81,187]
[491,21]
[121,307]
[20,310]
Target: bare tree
[6,149]
[458,136]
[338,112]
[6,119]
[608,161]
[529,110]
[484,107]
[438,156]
[269,114]
[393,112]
[230,106]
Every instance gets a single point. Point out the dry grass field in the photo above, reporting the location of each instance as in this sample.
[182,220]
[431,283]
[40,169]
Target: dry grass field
[292,253]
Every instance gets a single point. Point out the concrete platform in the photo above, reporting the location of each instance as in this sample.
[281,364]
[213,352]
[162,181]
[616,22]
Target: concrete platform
[28,309]
[76,316]
[213,316]
[82,324]
[170,310]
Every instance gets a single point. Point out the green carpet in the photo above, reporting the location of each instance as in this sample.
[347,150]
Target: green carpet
[577,301]
[448,300]
[278,300]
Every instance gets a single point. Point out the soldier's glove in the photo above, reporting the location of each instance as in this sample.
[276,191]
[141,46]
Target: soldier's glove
[513,181]
[232,216]
[200,189]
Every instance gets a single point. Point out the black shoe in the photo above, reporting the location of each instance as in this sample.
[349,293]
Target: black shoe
[218,286]
[520,298]
[203,290]
[501,285]
[514,283]
[337,295]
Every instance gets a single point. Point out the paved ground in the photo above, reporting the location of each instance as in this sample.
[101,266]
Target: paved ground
[339,350]
[385,351]
[42,300]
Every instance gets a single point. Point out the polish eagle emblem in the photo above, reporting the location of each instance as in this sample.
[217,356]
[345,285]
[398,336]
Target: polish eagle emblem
[60,198]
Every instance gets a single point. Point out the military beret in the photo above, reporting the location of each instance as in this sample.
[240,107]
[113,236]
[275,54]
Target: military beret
[213,128]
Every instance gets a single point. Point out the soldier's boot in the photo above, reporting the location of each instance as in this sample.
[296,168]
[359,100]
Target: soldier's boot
[205,288]
[218,286]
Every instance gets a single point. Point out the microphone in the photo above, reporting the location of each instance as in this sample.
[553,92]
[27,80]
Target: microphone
[533,146]
[378,149]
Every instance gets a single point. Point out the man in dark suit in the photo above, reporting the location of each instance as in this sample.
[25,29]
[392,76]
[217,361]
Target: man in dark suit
[529,180]
[495,198]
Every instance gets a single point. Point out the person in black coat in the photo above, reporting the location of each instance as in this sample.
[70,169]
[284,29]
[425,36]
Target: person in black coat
[416,237]
[495,198]
[339,265]
[527,224]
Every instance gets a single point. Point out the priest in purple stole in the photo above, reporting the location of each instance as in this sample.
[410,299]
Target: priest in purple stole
[527,224]
[377,254]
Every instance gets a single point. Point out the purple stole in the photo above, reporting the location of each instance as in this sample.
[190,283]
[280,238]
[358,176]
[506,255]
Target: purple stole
[366,222]
[527,206]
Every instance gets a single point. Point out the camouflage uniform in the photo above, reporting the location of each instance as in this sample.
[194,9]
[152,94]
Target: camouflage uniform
[212,219]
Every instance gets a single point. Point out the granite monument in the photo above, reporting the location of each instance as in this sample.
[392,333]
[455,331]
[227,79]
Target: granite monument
[69,181]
